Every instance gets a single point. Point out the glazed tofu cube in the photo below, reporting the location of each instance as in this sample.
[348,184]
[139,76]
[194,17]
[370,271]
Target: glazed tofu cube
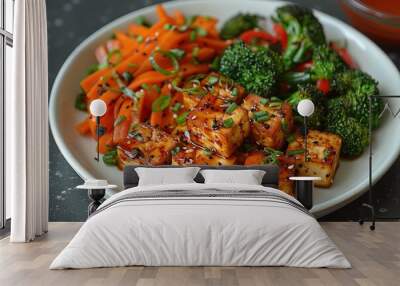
[146,145]
[189,155]
[323,156]
[270,121]
[217,131]
[223,88]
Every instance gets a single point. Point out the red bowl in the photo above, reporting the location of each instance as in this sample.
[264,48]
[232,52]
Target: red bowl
[379,25]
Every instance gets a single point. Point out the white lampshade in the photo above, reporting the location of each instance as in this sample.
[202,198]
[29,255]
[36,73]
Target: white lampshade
[305,107]
[98,107]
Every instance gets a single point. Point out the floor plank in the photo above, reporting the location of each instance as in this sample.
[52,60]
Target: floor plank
[375,257]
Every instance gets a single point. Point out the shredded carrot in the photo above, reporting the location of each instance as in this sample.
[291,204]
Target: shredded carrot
[162,14]
[105,142]
[88,82]
[83,127]
[149,77]
[179,17]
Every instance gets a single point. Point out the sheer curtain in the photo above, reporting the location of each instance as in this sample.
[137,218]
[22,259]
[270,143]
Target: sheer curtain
[27,124]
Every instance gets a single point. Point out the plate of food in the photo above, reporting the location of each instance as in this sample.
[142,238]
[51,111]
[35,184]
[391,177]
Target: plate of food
[218,83]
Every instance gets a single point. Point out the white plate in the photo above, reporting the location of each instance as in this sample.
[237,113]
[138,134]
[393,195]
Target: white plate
[352,176]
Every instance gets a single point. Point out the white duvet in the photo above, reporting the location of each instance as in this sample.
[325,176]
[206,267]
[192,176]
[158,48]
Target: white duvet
[200,231]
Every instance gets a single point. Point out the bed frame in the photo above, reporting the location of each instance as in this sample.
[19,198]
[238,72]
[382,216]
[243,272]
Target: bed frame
[270,179]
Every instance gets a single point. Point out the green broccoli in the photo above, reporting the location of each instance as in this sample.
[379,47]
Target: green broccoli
[239,24]
[316,121]
[326,63]
[354,135]
[356,87]
[304,33]
[256,68]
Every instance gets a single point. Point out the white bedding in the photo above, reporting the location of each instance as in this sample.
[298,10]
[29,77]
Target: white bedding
[200,231]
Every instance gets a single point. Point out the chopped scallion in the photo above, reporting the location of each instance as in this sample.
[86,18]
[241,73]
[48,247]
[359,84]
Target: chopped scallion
[228,123]
[119,120]
[231,108]
[181,119]
[295,152]
[161,103]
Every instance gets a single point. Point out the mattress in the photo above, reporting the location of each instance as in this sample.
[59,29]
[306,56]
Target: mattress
[201,225]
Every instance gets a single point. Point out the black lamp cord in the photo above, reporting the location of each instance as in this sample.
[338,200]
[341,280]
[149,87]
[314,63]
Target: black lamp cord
[305,139]
[98,137]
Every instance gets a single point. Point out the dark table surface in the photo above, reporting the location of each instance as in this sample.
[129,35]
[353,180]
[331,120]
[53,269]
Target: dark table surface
[72,21]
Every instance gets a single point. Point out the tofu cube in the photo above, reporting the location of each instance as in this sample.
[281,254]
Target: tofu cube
[270,121]
[217,131]
[146,145]
[192,155]
[323,156]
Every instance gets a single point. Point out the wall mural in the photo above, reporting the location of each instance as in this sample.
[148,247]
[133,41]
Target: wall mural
[218,89]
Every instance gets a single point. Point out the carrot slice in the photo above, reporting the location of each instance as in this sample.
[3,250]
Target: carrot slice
[83,127]
[105,142]
[88,82]
[191,69]
[162,13]
[127,44]
[219,45]
[121,129]
[138,30]
[179,17]
[148,78]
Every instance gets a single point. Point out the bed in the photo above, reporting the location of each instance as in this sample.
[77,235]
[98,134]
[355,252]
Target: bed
[198,224]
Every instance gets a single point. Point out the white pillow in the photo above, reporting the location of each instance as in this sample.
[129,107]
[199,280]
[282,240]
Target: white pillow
[166,176]
[248,177]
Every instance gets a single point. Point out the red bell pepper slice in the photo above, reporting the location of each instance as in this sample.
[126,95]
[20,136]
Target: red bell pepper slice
[250,35]
[281,35]
[323,85]
[303,66]
[344,54]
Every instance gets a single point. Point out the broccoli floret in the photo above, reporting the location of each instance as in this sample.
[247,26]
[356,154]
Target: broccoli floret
[354,135]
[304,33]
[326,63]
[239,24]
[357,86]
[317,120]
[256,68]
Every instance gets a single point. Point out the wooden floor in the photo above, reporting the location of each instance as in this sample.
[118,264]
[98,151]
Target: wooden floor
[375,257]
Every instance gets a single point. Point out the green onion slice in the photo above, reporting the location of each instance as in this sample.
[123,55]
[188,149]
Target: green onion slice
[188,23]
[139,39]
[228,123]
[169,55]
[128,92]
[181,119]
[235,92]
[231,108]
[264,101]
[295,152]
[80,103]
[141,20]
[176,107]
[127,76]
[178,53]
[212,80]
[201,32]
[111,157]
[260,116]
[192,90]
[161,103]
[119,120]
